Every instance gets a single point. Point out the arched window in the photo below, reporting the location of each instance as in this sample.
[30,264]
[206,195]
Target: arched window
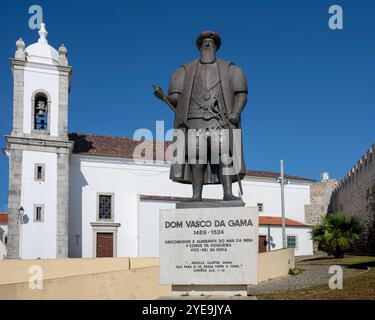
[41,111]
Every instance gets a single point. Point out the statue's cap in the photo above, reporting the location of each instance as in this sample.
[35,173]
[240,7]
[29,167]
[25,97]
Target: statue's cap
[208,34]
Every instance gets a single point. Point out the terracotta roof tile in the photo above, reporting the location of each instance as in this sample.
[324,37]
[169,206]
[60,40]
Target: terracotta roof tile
[276,221]
[121,147]
[106,146]
[3,218]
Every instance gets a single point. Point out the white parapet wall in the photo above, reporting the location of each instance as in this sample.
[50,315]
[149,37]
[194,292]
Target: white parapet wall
[106,278]
[3,250]
[275,264]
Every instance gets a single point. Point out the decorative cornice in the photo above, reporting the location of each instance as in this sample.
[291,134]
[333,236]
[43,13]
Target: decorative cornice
[166,164]
[102,159]
[25,63]
[169,199]
[105,224]
[39,142]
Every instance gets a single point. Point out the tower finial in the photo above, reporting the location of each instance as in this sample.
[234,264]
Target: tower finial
[20,53]
[62,56]
[43,34]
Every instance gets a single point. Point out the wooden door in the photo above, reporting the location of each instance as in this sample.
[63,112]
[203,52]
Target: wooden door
[104,245]
[262,244]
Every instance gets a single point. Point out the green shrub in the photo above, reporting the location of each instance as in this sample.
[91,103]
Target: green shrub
[336,233]
[294,272]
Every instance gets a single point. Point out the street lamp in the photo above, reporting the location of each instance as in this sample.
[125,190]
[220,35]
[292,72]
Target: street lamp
[283,182]
[21,212]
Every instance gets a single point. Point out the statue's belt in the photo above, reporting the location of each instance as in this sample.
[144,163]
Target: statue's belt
[206,110]
[200,115]
[209,131]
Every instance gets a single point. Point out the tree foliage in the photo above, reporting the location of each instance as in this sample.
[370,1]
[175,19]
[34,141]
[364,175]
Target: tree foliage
[336,233]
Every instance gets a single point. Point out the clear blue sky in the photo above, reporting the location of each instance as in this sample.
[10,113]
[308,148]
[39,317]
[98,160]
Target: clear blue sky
[312,90]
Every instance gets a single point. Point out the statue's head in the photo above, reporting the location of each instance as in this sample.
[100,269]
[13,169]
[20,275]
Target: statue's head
[208,43]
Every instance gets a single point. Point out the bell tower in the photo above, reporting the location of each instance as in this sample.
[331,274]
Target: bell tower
[38,151]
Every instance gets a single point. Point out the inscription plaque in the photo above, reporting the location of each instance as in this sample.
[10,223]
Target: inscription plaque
[209,246]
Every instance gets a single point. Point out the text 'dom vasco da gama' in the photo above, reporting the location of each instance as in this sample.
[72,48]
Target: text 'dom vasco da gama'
[209,247]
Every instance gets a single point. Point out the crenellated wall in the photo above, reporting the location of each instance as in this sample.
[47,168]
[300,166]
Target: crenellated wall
[355,196]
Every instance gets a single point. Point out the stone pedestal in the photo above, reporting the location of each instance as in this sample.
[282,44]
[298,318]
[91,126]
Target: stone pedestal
[209,250]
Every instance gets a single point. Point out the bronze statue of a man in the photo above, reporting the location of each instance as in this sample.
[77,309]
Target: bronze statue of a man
[208,95]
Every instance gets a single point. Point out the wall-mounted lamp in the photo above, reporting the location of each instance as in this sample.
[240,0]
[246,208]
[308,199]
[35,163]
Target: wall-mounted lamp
[21,212]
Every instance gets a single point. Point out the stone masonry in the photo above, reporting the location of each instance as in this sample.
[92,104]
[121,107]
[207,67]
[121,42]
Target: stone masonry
[62,202]
[320,196]
[355,196]
[14,203]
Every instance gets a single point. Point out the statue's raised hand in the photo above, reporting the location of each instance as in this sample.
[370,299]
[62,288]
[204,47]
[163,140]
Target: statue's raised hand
[158,92]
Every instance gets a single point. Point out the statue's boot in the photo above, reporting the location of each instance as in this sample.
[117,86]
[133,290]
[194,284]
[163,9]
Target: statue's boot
[226,181]
[197,172]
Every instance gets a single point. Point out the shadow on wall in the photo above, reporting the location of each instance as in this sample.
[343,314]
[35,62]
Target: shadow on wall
[81,144]
[371,235]
[75,211]
[366,215]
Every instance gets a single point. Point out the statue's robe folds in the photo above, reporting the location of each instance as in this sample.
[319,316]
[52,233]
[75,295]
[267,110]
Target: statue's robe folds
[233,81]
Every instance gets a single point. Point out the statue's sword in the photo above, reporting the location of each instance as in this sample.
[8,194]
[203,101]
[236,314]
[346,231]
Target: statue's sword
[169,104]
[232,149]
[223,116]
[228,125]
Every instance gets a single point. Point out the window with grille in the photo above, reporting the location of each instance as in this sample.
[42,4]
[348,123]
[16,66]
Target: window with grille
[38,213]
[292,241]
[105,207]
[39,172]
[260,207]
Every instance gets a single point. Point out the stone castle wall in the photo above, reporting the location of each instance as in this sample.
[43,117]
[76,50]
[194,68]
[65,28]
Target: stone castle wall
[355,196]
[320,196]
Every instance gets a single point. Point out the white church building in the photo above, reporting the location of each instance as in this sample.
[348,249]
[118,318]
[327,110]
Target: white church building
[75,195]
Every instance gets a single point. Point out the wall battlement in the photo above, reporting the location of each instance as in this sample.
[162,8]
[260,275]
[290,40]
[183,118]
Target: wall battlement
[355,196]
[362,164]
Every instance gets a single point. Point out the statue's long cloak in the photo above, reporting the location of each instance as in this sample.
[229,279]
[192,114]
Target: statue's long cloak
[232,80]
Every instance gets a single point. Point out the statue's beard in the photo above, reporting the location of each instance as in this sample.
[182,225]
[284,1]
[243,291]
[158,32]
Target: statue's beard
[208,55]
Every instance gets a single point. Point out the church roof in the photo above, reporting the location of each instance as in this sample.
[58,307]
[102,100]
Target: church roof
[106,146]
[122,147]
